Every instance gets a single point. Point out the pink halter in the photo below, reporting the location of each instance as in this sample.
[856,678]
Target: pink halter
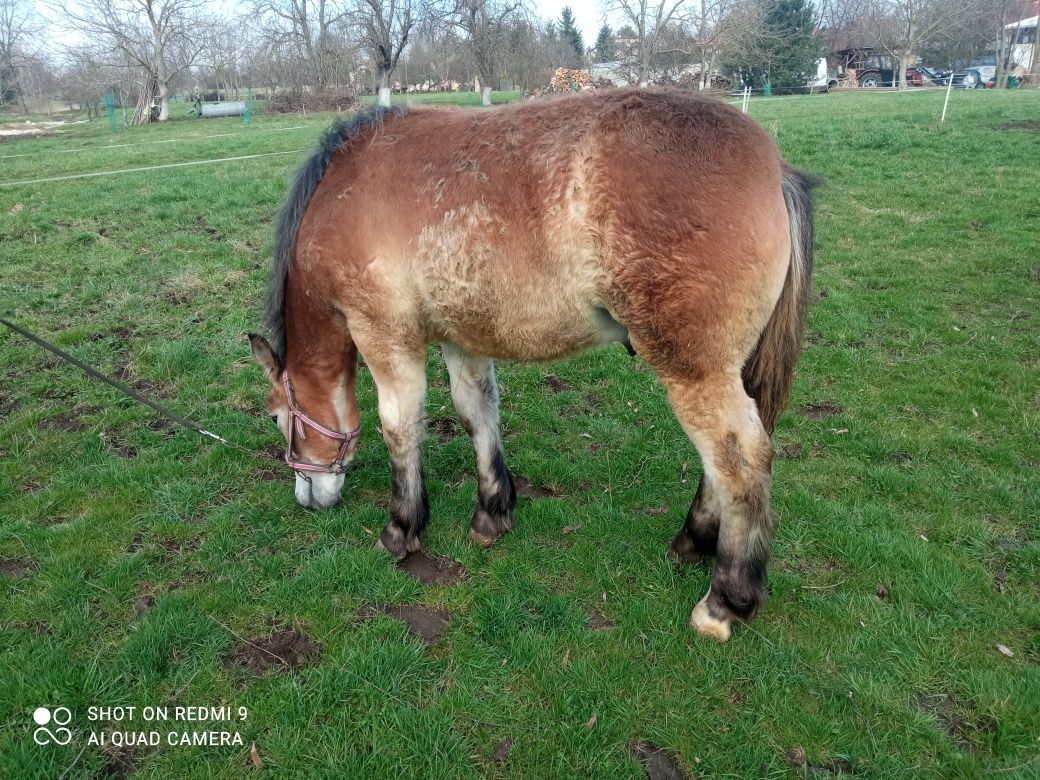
[298,419]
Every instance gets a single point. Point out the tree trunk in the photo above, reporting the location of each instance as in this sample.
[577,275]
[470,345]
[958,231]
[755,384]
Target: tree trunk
[384,88]
[143,111]
[1000,76]
[901,76]
[485,96]
[164,102]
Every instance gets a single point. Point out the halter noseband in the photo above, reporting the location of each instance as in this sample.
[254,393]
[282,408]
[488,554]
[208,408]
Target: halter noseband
[298,419]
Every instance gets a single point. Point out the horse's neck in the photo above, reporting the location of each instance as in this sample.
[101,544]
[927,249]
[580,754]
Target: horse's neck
[315,343]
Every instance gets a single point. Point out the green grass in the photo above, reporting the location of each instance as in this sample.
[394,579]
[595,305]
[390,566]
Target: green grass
[924,333]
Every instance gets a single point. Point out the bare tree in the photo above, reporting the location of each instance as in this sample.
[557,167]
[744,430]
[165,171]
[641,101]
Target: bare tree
[226,44]
[650,21]
[309,28]
[158,35]
[385,26]
[18,26]
[725,29]
[485,24]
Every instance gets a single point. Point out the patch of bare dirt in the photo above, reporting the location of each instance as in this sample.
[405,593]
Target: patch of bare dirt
[200,225]
[557,385]
[502,751]
[286,649]
[822,410]
[119,447]
[143,603]
[66,423]
[424,623]
[126,371]
[597,621]
[655,511]
[7,404]
[444,428]
[274,451]
[1027,125]
[266,475]
[790,450]
[121,762]
[901,457]
[527,489]
[796,759]
[943,707]
[14,568]
[121,333]
[658,763]
[32,486]
[433,569]
[166,428]
[176,547]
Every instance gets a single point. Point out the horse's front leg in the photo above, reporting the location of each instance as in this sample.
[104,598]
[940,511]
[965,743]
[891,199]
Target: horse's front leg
[475,395]
[699,536]
[400,378]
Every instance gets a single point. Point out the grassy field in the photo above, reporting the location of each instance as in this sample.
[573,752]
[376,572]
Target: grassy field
[143,565]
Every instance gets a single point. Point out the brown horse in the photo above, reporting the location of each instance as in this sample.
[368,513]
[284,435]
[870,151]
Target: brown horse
[664,221]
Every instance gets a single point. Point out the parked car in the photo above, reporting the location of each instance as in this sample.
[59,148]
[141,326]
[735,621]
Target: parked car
[980,74]
[975,77]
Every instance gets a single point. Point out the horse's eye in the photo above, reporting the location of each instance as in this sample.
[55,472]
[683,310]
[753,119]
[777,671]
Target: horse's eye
[274,419]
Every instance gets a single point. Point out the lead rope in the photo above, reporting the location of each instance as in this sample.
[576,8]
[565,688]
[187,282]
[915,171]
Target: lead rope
[124,389]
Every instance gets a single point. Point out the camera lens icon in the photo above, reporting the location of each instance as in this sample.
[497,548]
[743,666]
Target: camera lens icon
[61,716]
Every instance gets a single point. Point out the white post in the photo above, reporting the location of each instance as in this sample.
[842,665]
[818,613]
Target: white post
[946,102]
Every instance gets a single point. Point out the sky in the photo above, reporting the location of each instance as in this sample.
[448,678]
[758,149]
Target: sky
[587,13]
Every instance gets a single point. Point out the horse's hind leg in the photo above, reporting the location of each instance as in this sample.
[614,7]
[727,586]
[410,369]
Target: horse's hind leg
[475,394]
[400,378]
[723,423]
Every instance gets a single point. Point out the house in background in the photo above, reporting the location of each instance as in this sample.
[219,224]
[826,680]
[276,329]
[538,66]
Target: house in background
[1022,44]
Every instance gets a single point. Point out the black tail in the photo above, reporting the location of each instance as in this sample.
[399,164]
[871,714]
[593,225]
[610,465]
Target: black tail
[295,204]
[769,372]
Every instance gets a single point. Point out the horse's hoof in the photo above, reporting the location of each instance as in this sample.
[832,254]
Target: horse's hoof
[481,540]
[708,625]
[399,548]
[682,552]
[486,529]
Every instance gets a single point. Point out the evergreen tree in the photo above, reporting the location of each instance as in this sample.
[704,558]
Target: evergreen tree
[606,51]
[788,47]
[569,32]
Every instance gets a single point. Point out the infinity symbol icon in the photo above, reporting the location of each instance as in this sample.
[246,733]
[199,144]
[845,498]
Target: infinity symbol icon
[61,717]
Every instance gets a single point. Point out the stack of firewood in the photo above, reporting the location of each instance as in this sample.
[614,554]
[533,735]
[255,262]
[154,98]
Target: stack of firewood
[567,80]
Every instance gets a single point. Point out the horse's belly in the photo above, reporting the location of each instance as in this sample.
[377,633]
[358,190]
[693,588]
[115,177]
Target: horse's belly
[515,328]
[498,291]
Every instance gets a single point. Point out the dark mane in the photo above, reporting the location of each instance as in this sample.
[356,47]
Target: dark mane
[290,215]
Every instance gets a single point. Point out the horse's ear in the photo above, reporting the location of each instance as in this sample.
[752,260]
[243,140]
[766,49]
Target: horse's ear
[265,356]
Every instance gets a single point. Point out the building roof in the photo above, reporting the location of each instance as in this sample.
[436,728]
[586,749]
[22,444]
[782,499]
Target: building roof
[1030,22]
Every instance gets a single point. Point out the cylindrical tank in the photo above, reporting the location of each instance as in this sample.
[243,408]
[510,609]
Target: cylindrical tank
[211,110]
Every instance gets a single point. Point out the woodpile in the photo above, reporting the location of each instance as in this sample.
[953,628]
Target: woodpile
[692,81]
[567,80]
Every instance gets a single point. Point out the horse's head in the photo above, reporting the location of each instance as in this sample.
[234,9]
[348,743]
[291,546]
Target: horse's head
[321,431]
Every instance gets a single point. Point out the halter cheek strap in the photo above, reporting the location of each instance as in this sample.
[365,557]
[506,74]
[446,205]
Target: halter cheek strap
[299,421]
